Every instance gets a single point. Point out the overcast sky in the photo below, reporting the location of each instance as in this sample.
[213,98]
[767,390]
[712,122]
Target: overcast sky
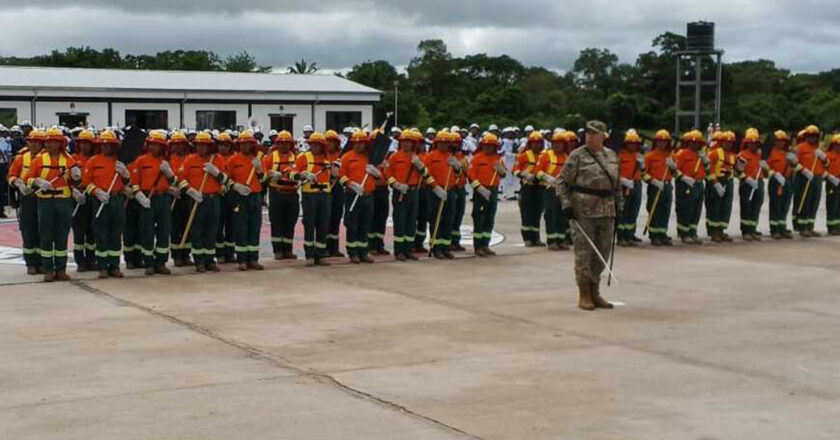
[799,35]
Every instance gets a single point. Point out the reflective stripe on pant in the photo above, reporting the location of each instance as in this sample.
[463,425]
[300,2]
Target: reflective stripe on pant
[336,214]
[832,206]
[804,221]
[356,223]
[84,243]
[689,207]
[424,195]
[443,238]
[224,236]
[458,216]
[204,229]
[661,216]
[376,234]
[155,229]
[316,222]
[406,209]
[108,230]
[180,214]
[28,223]
[780,200]
[54,219]
[719,209]
[484,218]
[556,224]
[132,251]
[530,211]
[630,214]
[247,223]
[283,212]
[750,209]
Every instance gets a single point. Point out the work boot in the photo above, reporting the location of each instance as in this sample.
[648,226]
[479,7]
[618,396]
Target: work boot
[212,267]
[289,255]
[31,270]
[200,268]
[597,300]
[163,270]
[696,240]
[355,259]
[479,252]
[756,237]
[40,270]
[448,255]
[637,239]
[116,273]
[815,234]
[775,235]
[150,270]
[667,241]
[553,246]
[438,255]
[336,254]
[366,259]
[489,252]
[410,256]
[400,257]
[49,277]
[420,250]
[585,302]
[243,266]
[726,238]
[565,247]
[456,247]
[381,251]
[62,276]
[310,262]
[539,244]
[787,235]
[656,241]
[103,274]
[321,262]
[253,265]
[715,236]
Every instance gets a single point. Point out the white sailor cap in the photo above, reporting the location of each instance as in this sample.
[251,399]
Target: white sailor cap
[308,128]
[431,130]
[493,127]
[474,125]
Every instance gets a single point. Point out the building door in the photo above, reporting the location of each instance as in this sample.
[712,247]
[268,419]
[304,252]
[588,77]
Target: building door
[282,121]
[71,120]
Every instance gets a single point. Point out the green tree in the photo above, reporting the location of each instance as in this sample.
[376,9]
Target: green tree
[243,62]
[302,67]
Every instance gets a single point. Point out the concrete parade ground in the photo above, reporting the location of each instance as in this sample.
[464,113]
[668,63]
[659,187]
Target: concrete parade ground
[720,341]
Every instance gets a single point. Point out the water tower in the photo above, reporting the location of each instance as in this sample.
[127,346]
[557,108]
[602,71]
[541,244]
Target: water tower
[700,51]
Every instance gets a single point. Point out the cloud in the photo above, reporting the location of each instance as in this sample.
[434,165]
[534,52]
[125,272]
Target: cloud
[336,34]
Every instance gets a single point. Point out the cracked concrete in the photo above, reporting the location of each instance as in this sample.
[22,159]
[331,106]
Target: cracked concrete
[716,342]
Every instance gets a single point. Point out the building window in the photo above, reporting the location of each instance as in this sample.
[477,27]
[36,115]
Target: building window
[72,120]
[338,120]
[215,119]
[8,116]
[282,122]
[147,119]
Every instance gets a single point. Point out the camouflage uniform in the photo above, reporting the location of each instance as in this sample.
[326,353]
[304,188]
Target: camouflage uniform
[594,198]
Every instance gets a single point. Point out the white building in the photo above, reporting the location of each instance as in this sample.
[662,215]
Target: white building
[170,99]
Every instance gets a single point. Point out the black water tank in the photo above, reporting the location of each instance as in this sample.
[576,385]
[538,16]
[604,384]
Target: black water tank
[701,36]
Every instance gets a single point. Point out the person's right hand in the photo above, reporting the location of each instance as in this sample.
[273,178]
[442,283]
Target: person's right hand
[195,195]
[101,195]
[658,184]
[439,192]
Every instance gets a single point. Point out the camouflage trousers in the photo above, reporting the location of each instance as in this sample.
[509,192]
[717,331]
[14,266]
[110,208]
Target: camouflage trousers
[588,266]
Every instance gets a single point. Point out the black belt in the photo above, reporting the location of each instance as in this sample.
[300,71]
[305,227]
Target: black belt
[592,192]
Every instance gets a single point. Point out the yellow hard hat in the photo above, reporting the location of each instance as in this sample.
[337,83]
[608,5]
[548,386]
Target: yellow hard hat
[359,136]
[55,134]
[108,137]
[535,137]
[489,139]
[572,137]
[631,137]
[781,135]
[408,135]
[719,136]
[176,137]
[441,136]
[224,137]
[662,135]
[317,138]
[454,137]
[559,136]
[86,135]
[203,138]
[331,135]
[284,137]
[156,137]
[246,137]
[811,130]
[835,140]
[693,136]
[37,135]
[752,135]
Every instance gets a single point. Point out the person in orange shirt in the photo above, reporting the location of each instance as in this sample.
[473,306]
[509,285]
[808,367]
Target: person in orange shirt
[751,169]
[530,192]
[810,168]
[631,165]
[224,237]
[28,214]
[444,170]
[180,207]
[719,185]
[151,178]
[659,167]
[245,193]
[283,199]
[779,188]
[404,173]
[460,190]
[832,186]
[357,177]
[379,218]
[486,171]
[336,197]
[53,175]
[104,179]
[84,242]
[690,174]
[312,169]
[425,197]
[201,177]
[549,168]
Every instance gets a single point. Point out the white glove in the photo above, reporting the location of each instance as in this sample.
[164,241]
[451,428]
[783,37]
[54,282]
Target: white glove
[833,179]
[24,190]
[174,192]
[764,166]
[257,165]
[166,169]
[658,184]
[454,163]
[401,187]
[76,173]
[792,159]
[627,183]
[640,159]
[127,192]
[101,195]
[415,160]
[527,176]
[704,158]
[780,178]
[243,190]
[42,184]
[78,196]
[719,189]
[211,169]
[195,195]
[373,171]
[751,182]
[439,192]
[500,169]
[308,176]
[483,192]
[820,154]
[549,180]
[671,164]
[274,175]
[356,188]
[808,174]
[740,164]
[142,200]
[688,180]
[122,170]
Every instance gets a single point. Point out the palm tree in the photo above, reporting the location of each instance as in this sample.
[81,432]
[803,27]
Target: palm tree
[302,67]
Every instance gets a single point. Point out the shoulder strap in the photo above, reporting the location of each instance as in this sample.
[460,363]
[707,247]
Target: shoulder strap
[603,168]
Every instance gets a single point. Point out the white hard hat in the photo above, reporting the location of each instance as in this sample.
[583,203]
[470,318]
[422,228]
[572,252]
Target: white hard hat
[474,125]
[308,128]
[395,129]
[455,129]
[515,128]
[16,128]
[25,124]
[493,127]
[431,130]
[348,130]
[272,133]
[528,128]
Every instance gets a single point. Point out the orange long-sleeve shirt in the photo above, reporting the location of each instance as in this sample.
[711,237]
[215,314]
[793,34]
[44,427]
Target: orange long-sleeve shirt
[833,163]
[550,163]
[436,162]
[54,169]
[656,166]
[99,172]
[526,161]
[689,164]
[20,166]
[319,166]
[146,175]
[283,163]
[400,169]
[353,170]
[461,180]
[482,171]
[721,163]
[240,167]
[753,164]
[191,174]
[778,163]
[629,165]
[807,155]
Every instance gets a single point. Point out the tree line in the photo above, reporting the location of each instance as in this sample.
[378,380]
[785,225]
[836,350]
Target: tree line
[437,88]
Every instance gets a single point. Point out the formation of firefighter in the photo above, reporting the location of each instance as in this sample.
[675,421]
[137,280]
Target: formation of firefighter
[199,196]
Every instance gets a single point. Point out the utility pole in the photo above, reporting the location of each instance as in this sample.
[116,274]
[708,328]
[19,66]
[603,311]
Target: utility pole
[396,101]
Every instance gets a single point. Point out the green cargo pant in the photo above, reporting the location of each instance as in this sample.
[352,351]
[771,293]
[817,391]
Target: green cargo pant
[132,250]
[750,209]
[54,220]
[424,197]
[180,214]
[780,199]
[247,224]
[630,214]
[204,229]
[689,207]
[458,216]
[376,234]
[155,230]
[336,213]
[484,218]
[283,212]
[530,211]
[832,206]
[661,213]
[84,241]
[719,208]
[556,223]
[804,220]
[356,223]
[316,222]
[406,207]
[28,224]
[108,230]
[225,236]
[443,238]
